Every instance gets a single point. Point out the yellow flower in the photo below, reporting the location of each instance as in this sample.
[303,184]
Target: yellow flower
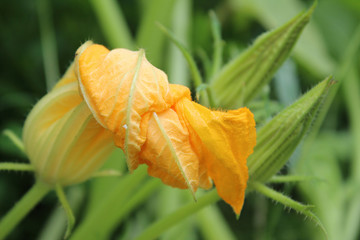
[156,123]
[63,141]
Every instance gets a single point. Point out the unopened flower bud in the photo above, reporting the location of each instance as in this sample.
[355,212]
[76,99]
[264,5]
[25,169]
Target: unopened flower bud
[63,141]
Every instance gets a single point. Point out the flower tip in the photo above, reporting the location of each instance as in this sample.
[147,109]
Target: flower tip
[237,208]
[82,48]
[88,54]
[192,190]
[141,51]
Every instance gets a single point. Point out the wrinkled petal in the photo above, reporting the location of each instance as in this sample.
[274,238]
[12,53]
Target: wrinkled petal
[184,144]
[228,138]
[196,145]
[168,153]
[120,86]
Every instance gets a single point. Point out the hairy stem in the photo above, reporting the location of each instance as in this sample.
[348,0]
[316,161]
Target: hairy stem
[23,207]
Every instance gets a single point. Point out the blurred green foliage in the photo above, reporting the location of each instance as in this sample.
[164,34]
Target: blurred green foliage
[329,45]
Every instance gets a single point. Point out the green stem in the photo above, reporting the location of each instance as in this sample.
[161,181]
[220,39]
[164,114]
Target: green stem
[23,207]
[132,203]
[206,97]
[56,223]
[270,193]
[48,43]
[113,23]
[213,225]
[14,139]
[288,202]
[156,229]
[218,44]
[148,36]
[69,214]
[195,72]
[109,209]
[181,24]
[169,200]
[289,178]
[16,167]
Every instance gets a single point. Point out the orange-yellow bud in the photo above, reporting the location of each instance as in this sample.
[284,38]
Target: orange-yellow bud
[63,141]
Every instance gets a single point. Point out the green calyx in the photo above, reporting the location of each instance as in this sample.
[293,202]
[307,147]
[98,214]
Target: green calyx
[254,68]
[278,139]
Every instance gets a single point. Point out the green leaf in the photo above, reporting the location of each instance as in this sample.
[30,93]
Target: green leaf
[190,60]
[111,208]
[247,73]
[344,71]
[351,89]
[138,198]
[149,36]
[278,139]
[99,187]
[218,43]
[48,43]
[163,224]
[181,24]
[213,225]
[205,62]
[205,96]
[168,200]
[319,160]
[113,23]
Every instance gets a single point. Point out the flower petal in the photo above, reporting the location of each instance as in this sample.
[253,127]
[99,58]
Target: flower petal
[168,153]
[196,145]
[120,86]
[62,140]
[228,138]
[68,77]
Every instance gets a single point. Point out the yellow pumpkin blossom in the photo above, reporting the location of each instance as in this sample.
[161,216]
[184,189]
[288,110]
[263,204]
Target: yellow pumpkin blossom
[156,123]
[63,141]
